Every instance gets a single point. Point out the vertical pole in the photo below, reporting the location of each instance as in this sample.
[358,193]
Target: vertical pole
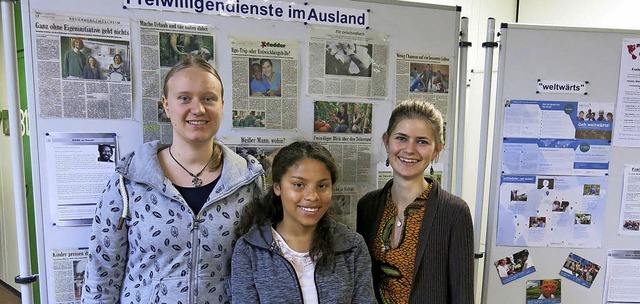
[25,277]
[462,93]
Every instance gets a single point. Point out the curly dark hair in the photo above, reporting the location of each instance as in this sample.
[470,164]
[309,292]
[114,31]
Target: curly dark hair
[268,210]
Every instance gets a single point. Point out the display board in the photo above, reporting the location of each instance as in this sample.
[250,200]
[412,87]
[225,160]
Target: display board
[556,174]
[329,55]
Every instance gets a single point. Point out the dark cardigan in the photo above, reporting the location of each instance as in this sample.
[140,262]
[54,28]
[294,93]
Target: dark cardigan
[444,259]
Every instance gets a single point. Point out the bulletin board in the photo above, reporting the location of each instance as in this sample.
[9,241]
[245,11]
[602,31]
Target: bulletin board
[556,173]
[119,107]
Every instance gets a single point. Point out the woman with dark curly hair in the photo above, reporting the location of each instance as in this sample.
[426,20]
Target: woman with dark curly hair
[293,250]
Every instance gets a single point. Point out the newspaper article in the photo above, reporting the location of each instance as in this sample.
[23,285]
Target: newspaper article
[265,84]
[163,44]
[68,274]
[622,283]
[424,77]
[78,166]
[630,209]
[82,66]
[344,128]
[348,63]
[263,148]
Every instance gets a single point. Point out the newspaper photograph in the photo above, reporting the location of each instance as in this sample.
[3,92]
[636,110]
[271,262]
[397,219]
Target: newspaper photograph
[424,77]
[263,148]
[163,44]
[265,83]
[348,63]
[82,66]
[344,204]
[344,128]
[68,274]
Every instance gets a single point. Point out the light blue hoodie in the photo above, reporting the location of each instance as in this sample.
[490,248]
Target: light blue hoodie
[165,253]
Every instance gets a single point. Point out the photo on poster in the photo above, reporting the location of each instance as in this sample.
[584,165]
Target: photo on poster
[347,58]
[579,270]
[78,277]
[560,206]
[518,196]
[265,78]
[545,183]
[513,267]
[106,153]
[248,119]
[582,219]
[342,117]
[177,46]
[544,291]
[94,59]
[537,221]
[428,78]
[591,189]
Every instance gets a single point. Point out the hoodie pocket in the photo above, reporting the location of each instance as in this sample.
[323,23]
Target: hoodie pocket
[170,290]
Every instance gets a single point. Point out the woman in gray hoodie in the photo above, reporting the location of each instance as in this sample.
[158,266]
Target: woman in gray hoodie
[293,250]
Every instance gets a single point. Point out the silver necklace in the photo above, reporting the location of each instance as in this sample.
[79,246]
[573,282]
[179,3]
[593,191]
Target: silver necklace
[196,181]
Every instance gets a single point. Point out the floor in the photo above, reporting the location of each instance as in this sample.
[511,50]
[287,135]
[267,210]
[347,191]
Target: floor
[8,295]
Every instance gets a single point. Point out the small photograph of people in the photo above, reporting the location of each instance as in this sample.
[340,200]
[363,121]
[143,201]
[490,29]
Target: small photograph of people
[94,59]
[591,189]
[582,219]
[340,205]
[248,119]
[516,196]
[537,221]
[429,78]
[174,47]
[543,291]
[342,117]
[631,225]
[545,183]
[512,267]
[594,115]
[105,153]
[78,277]
[579,270]
[560,206]
[347,58]
[265,78]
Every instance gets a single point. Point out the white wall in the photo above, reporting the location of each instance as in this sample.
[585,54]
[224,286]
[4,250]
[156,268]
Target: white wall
[8,237]
[619,14]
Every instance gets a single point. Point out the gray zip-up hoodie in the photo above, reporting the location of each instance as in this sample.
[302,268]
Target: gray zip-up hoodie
[260,274]
[165,253]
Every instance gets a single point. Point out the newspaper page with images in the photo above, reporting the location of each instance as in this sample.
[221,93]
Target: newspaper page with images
[265,83]
[424,77]
[82,66]
[163,44]
[68,274]
[348,62]
[344,128]
[263,148]
[78,166]
[630,209]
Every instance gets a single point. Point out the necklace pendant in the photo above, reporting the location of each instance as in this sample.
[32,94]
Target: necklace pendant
[398,223]
[196,182]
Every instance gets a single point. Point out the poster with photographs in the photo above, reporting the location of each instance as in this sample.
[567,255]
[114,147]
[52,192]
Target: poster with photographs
[425,77]
[579,270]
[265,83]
[348,62]
[515,266]
[544,291]
[551,211]
[163,44]
[84,63]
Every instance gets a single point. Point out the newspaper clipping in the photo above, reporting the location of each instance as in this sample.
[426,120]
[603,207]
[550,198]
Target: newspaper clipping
[265,84]
[424,77]
[348,63]
[344,128]
[263,148]
[68,274]
[163,44]
[82,66]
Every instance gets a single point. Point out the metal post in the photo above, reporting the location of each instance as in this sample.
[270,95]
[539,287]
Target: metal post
[462,93]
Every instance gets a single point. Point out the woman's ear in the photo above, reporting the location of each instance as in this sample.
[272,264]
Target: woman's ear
[165,105]
[385,141]
[276,189]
